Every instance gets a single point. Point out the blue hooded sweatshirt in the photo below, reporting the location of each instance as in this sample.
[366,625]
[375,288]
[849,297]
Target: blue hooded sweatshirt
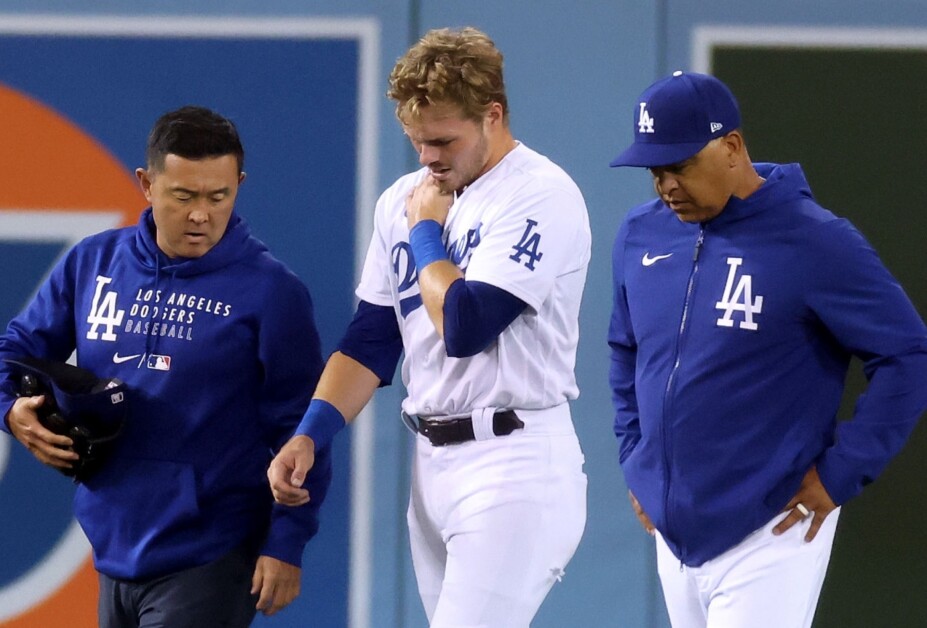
[220,355]
[730,342]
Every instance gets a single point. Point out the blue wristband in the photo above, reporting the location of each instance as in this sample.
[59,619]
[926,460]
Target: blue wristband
[425,240]
[320,423]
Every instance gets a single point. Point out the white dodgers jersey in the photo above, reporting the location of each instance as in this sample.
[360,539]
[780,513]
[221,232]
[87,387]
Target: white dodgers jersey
[522,227]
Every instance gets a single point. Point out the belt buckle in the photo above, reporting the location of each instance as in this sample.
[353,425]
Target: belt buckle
[439,433]
[415,425]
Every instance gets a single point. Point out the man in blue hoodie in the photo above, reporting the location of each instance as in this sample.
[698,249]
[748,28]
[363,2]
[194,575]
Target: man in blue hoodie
[738,303]
[216,342]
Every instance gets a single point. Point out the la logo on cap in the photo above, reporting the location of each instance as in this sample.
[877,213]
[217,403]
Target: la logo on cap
[644,122]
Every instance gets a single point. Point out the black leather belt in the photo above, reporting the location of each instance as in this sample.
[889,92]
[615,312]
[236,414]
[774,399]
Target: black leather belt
[454,431]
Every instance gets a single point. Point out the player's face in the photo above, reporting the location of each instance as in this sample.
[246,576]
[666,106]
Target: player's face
[698,188]
[455,149]
[191,201]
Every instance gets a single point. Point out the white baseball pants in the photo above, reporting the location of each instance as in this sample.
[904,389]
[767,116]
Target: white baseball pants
[493,523]
[765,581]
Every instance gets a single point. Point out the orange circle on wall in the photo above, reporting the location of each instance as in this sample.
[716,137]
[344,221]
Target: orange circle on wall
[48,164]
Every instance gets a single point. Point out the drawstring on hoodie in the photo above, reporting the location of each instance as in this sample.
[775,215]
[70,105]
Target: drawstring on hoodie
[152,348]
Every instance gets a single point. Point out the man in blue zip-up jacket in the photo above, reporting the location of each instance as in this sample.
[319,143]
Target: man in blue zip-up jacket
[738,304]
[216,342]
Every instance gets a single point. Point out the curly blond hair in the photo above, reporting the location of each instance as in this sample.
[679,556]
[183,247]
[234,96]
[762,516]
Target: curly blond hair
[457,67]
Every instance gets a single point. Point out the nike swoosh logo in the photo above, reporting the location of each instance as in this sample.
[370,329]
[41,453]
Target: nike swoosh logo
[650,261]
[119,359]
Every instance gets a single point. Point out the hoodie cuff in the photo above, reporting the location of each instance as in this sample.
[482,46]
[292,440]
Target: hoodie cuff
[288,535]
[842,485]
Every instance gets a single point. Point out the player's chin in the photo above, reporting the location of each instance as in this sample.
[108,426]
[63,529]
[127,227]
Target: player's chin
[447,185]
[194,247]
[193,254]
[687,213]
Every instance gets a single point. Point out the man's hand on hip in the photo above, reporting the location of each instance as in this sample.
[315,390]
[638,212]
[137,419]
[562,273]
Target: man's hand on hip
[811,500]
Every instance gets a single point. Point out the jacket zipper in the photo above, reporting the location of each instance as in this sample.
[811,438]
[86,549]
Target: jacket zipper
[670,381]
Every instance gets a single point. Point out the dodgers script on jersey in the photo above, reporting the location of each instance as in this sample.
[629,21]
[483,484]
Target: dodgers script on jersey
[521,227]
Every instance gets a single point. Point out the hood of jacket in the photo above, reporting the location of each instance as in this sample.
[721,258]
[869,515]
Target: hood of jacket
[235,244]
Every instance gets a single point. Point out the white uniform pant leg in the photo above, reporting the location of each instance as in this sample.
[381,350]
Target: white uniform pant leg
[765,581]
[686,601]
[493,525]
[429,556]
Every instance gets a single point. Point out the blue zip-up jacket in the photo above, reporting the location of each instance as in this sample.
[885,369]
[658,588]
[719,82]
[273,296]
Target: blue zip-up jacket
[730,342]
[221,356]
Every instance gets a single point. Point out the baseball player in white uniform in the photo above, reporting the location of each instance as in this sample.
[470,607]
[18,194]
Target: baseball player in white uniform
[475,271]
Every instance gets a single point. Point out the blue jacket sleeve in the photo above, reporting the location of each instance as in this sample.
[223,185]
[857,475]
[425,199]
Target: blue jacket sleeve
[290,354]
[869,314]
[623,346]
[475,313]
[374,340]
[45,328]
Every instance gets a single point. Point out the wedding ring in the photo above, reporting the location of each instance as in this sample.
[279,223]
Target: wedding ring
[800,507]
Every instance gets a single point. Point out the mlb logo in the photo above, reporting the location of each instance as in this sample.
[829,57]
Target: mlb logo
[159,362]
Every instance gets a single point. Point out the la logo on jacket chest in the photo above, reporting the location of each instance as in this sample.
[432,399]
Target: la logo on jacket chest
[103,311]
[739,298]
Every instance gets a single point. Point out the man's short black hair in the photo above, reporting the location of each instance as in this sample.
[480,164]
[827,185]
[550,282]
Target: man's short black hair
[193,133]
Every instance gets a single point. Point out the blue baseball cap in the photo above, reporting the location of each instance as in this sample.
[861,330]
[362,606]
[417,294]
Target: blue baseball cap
[676,117]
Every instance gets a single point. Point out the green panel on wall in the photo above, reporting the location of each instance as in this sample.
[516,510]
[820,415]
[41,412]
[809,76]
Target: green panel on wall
[855,119]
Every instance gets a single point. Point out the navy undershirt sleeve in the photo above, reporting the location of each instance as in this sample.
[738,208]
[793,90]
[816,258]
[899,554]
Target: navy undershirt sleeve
[374,340]
[475,313]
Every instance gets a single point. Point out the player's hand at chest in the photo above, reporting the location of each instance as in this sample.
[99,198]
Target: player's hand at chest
[428,201]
